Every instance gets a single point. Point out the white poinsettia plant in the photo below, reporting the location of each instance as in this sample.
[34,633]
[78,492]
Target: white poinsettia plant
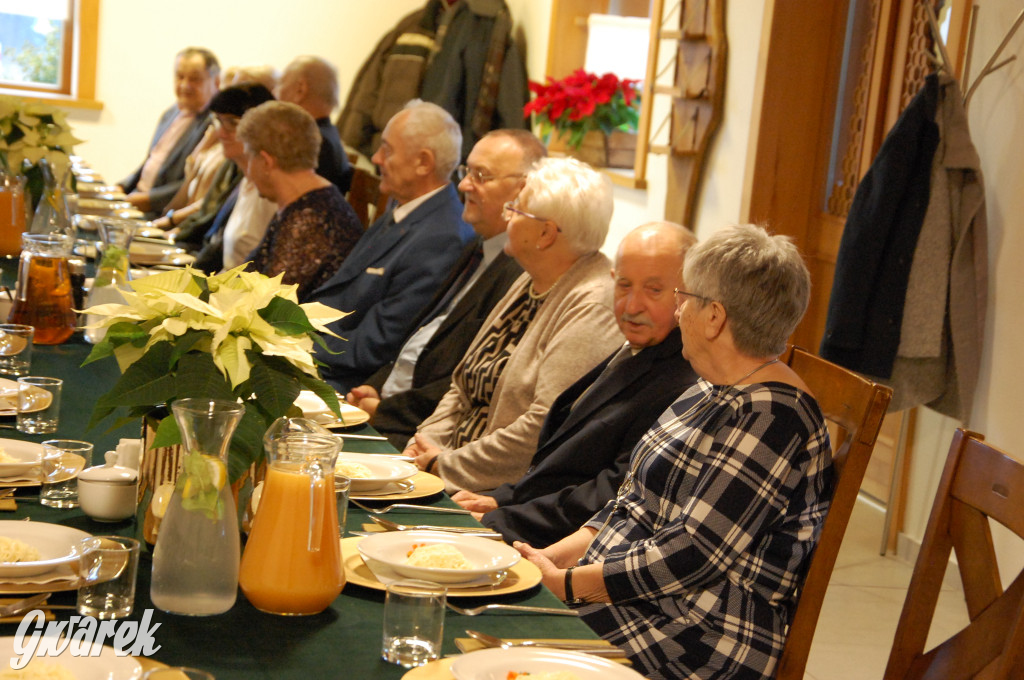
[237,335]
[31,133]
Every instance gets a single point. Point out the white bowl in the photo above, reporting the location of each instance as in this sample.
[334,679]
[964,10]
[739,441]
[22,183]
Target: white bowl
[392,548]
[384,470]
[27,455]
[56,544]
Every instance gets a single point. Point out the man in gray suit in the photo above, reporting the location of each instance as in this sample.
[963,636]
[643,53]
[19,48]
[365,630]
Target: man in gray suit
[196,79]
[404,392]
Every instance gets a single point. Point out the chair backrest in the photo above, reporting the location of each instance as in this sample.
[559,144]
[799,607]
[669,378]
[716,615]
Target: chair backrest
[979,483]
[365,197]
[855,406]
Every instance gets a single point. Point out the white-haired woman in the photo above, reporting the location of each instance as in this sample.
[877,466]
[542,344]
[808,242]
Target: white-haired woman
[554,325]
[693,569]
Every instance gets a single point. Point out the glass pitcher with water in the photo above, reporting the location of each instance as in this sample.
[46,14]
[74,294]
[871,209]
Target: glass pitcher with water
[43,296]
[112,271]
[292,560]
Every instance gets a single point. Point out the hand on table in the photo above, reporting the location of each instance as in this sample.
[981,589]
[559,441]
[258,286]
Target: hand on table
[475,502]
[364,397]
[424,450]
[550,575]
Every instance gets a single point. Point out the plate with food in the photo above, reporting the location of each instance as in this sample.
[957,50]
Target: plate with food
[369,472]
[523,663]
[78,661]
[438,556]
[32,548]
[314,408]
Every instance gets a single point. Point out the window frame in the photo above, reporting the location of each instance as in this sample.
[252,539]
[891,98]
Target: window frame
[79,63]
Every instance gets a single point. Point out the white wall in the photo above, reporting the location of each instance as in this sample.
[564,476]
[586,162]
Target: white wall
[138,41]
[995,115]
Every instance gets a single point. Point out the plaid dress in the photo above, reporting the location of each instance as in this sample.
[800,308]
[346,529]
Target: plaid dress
[712,532]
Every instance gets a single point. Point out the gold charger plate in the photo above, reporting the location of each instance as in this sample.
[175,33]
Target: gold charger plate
[440,669]
[523,576]
[73,462]
[423,484]
[40,398]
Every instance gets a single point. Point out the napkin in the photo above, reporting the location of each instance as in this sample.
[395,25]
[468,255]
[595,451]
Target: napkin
[8,504]
[64,572]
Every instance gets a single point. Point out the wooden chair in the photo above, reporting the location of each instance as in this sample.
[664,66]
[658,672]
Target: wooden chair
[979,483]
[855,407]
[365,194]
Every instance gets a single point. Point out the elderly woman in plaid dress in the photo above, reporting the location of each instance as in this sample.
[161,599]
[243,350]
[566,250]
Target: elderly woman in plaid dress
[693,568]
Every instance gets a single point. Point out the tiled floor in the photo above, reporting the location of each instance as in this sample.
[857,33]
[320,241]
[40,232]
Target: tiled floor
[863,604]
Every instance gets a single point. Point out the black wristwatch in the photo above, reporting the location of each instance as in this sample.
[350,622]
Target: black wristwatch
[569,599]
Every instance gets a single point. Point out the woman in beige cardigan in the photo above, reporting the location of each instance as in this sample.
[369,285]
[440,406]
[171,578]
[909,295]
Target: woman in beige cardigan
[554,325]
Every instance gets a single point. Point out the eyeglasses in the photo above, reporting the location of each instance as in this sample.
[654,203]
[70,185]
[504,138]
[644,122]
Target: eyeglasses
[226,122]
[684,293]
[478,176]
[511,207]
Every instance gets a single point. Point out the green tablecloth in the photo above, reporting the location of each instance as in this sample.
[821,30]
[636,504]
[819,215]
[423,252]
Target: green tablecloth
[344,641]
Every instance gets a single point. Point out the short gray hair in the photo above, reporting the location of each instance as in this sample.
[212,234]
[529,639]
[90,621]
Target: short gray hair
[320,75]
[283,130]
[575,197]
[760,279]
[210,62]
[428,126]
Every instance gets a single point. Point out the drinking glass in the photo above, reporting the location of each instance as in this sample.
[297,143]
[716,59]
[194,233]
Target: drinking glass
[413,622]
[59,486]
[15,348]
[342,485]
[108,567]
[37,412]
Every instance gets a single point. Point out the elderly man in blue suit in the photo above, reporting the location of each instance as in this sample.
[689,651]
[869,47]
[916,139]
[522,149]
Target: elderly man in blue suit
[401,260]
[585,444]
[196,78]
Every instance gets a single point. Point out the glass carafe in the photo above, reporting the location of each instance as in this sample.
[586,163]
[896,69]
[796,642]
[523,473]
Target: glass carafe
[292,560]
[52,215]
[43,297]
[112,271]
[195,561]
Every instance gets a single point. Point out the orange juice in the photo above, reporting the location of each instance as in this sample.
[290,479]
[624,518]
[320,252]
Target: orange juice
[12,220]
[43,298]
[279,573]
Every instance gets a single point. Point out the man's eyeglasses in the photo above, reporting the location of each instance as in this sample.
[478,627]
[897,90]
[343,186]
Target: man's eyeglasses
[478,176]
[682,293]
[511,207]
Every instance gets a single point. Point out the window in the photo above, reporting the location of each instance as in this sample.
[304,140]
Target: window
[48,50]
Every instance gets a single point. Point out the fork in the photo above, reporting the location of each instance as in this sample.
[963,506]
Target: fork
[476,611]
[407,506]
[473,531]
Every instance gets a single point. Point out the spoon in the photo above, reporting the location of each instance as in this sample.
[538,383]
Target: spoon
[30,603]
[596,650]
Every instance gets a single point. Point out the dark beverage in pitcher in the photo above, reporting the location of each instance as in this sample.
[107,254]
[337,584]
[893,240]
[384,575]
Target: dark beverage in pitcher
[43,297]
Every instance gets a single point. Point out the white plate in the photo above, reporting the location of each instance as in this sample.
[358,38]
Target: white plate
[29,454]
[106,666]
[56,544]
[9,399]
[384,470]
[314,408]
[495,664]
[392,548]
[146,254]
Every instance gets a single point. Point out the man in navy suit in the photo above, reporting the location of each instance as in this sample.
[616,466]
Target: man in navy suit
[390,276]
[196,78]
[404,392]
[584,448]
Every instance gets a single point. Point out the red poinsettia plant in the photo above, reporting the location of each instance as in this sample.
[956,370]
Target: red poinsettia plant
[582,102]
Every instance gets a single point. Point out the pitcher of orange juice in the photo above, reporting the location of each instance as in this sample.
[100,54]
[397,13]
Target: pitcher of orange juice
[292,562]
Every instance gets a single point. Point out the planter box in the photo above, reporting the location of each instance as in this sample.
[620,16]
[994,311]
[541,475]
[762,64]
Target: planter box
[617,150]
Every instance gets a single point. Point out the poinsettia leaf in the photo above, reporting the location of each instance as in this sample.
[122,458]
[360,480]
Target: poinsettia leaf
[167,433]
[286,316]
[197,376]
[121,333]
[246,443]
[145,382]
[273,381]
[186,341]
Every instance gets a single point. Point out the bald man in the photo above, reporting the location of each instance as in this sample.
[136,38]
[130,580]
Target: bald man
[312,83]
[584,447]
